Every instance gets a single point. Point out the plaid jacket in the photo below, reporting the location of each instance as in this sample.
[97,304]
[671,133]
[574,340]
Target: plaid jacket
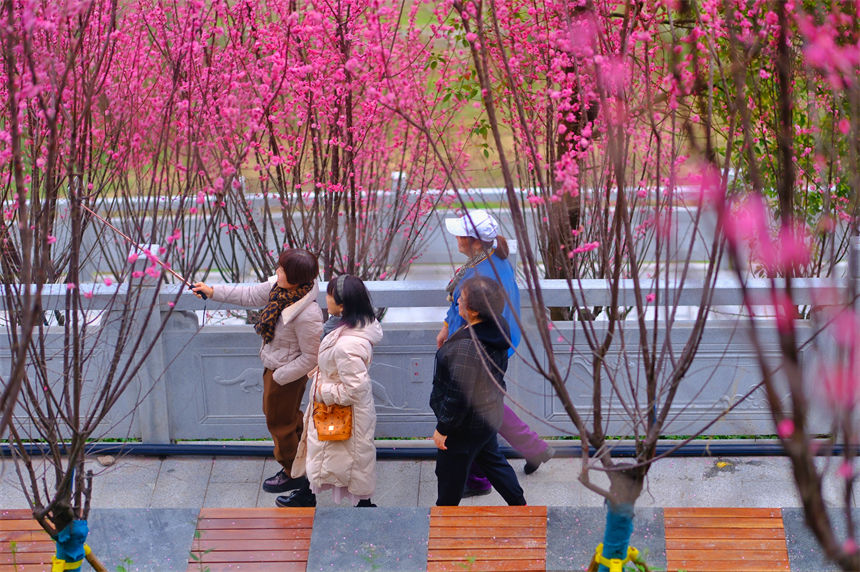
[468,380]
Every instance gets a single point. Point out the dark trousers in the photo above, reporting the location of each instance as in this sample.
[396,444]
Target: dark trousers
[524,441]
[482,447]
[282,406]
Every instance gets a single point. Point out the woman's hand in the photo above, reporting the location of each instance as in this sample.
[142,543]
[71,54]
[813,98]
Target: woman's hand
[442,335]
[439,439]
[201,288]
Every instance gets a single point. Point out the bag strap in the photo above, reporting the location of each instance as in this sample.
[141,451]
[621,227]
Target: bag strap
[316,389]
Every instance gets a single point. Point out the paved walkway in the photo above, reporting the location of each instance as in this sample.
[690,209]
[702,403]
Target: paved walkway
[162,490]
[196,481]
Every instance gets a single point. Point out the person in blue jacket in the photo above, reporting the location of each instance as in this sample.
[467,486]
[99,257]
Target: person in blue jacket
[478,238]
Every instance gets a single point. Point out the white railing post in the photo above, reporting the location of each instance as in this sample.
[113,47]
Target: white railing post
[153,415]
[854,272]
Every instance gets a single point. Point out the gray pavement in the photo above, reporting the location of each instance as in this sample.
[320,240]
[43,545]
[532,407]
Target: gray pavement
[161,498]
[198,481]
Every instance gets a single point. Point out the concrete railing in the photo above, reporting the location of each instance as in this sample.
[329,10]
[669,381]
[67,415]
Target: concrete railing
[204,382]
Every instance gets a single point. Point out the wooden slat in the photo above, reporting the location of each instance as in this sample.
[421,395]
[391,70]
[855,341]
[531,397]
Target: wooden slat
[491,566]
[19,524]
[6,558]
[257,539]
[719,522]
[505,511]
[33,547]
[725,539]
[16,514]
[711,512]
[22,536]
[727,555]
[256,534]
[251,522]
[236,556]
[488,554]
[204,544]
[724,544]
[751,533]
[44,544]
[252,567]
[454,532]
[485,542]
[261,512]
[734,566]
[487,538]
[494,521]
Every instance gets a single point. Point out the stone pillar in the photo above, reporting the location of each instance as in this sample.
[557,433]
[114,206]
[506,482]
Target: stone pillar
[854,272]
[152,413]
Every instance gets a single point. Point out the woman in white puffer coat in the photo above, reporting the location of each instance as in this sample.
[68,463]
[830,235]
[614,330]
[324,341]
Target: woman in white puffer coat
[346,467]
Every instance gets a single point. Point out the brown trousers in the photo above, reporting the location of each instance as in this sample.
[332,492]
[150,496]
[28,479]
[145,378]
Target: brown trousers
[282,406]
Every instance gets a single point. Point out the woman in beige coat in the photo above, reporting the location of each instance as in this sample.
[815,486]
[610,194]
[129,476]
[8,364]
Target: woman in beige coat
[346,467]
[290,324]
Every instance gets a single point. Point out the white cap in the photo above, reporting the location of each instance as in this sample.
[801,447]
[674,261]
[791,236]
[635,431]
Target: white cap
[477,224]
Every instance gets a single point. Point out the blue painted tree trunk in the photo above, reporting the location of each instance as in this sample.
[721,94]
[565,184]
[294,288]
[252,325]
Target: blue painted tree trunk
[70,541]
[619,529]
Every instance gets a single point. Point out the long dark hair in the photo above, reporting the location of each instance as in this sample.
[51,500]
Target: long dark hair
[350,291]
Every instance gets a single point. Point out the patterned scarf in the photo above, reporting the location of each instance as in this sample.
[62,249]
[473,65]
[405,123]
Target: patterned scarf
[458,275]
[279,298]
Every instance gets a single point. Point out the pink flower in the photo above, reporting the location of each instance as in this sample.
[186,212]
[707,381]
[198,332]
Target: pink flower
[840,388]
[88,295]
[137,274]
[71,286]
[132,258]
[845,328]
[650,297]
[108,281]
[749,223]
[708,180]
[588,246]
[171,304]
[614,75]
[785,311]
[793,248]
[785,428]
[849,546]
[52,239]
[844,126]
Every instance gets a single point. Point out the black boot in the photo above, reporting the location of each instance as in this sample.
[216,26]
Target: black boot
[282,483]
[364,502]
[532,464]
[299,497]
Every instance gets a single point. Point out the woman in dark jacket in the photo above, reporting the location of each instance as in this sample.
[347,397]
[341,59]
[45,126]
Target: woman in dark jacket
[468,398]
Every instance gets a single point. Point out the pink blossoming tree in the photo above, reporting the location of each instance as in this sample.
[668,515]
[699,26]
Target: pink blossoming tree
[622,116]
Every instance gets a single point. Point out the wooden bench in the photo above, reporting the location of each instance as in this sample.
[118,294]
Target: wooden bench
[487,538]
[258,539]
[24,545]
[725,539]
